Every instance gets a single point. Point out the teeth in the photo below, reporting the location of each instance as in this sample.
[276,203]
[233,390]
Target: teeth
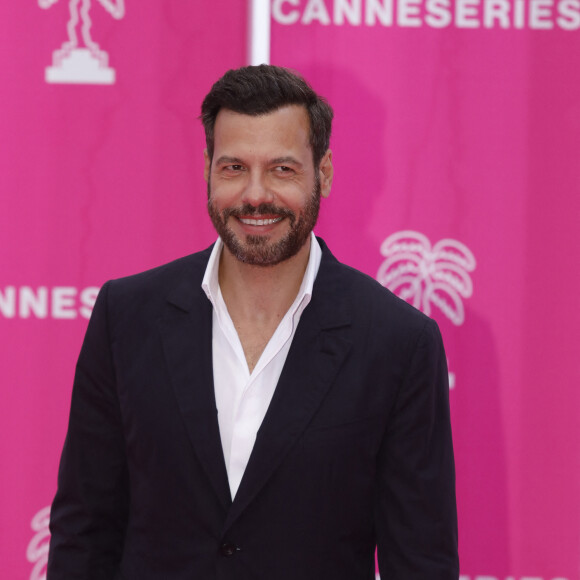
[266,222]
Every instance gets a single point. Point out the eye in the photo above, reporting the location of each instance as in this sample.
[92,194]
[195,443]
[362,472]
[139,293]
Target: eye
[283,169]
[232,169]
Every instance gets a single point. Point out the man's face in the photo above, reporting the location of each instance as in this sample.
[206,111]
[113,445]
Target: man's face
[263,189]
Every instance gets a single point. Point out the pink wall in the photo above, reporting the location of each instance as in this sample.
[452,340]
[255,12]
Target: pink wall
[471,133]
[98,181]
[468,132]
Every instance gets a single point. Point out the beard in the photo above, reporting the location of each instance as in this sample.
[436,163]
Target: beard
[258,250]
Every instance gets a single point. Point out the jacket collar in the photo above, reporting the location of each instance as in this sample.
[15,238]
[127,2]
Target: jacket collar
[321,343]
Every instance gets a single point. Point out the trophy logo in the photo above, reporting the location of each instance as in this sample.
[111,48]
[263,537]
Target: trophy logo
[37,551]
[80,60]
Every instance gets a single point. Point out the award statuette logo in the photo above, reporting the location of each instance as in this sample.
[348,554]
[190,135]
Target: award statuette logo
[80,60]
[37,550]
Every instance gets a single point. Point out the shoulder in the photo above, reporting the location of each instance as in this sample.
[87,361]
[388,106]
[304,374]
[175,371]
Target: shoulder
[190,266]
[385,329]
[148,291]
[382,310]
[367,297]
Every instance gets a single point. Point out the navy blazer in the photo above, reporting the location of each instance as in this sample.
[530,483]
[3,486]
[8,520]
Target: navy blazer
[354,452]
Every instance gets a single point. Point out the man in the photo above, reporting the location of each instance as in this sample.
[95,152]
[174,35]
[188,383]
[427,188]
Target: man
[258,410]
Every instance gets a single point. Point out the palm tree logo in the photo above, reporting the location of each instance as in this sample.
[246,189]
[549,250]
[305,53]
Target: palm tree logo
[81,60]
[426,275]
[37,551]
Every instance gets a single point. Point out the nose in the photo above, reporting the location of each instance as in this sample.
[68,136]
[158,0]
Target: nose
[257,191]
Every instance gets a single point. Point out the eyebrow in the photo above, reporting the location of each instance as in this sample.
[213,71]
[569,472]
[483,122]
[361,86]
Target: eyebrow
[286,160]
[228,159]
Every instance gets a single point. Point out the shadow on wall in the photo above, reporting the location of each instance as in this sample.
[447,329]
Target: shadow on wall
[357,145]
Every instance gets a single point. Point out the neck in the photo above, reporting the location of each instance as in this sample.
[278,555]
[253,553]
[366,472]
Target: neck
[258,292]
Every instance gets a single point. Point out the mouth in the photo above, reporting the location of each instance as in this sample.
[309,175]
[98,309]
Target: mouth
[260,222]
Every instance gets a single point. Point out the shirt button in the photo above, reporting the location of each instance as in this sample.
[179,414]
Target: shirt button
[228,549]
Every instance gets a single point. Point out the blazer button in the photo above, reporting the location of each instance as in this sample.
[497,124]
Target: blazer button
[228,549]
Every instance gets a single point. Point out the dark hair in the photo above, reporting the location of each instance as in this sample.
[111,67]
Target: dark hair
[257,90]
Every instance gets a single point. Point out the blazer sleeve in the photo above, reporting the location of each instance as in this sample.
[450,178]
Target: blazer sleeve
[89,512]
[415,508]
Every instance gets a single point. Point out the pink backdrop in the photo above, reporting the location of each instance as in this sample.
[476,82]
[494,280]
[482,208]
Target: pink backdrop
[457,156]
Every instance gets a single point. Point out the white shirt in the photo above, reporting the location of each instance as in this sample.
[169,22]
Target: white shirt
[242,398]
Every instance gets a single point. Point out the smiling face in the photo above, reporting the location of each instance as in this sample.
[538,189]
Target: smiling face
[263,189]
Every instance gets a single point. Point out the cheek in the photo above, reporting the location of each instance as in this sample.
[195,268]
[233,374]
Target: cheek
[293,194]
[223,193]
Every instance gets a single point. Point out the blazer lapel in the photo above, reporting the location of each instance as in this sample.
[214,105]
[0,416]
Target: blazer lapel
[321,343]
[187,336]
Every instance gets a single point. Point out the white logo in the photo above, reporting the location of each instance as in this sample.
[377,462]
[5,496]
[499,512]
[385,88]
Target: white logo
[37,551]
[82,63]
[425,275]
[442,14]
[58,302]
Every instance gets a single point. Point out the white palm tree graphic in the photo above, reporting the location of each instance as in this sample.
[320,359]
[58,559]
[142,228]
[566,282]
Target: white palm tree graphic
[80,15]
[37,551]
[426,275]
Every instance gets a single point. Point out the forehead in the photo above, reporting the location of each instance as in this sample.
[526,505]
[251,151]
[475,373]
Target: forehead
[285,128]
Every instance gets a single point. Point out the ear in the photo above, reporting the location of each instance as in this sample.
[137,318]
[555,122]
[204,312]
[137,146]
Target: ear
[207,165]
[326,173]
